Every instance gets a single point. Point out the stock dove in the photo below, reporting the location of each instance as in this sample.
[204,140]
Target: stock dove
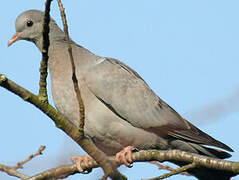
[122,112]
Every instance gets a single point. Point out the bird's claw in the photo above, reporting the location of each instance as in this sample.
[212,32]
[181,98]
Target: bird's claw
[125,156]
[81,159]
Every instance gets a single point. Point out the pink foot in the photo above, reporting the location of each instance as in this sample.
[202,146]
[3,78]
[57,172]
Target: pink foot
[125,156]
[81,159]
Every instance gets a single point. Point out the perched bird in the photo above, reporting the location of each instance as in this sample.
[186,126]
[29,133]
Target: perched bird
[122,112]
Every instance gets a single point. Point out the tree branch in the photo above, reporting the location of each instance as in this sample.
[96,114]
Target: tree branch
[46,108]
[12,172]
[142,156]
[45,46]
[194,160]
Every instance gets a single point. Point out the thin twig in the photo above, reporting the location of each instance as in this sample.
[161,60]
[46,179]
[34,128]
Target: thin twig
[12,170]
[74,78]
[21,163]
[175,172]
[45,46]
[166,167]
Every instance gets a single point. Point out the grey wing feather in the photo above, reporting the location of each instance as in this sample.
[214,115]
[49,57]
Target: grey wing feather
[123,91]
[126,92]
[126,67]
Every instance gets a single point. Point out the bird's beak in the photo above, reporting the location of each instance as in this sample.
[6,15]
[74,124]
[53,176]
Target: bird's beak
[14,38]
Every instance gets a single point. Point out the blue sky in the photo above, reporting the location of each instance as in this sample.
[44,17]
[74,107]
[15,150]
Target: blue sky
[187,51]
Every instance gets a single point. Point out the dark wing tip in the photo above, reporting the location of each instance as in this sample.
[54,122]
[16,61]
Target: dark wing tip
[193,134]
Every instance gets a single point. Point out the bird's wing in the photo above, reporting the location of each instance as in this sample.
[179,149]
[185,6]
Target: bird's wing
[122,90]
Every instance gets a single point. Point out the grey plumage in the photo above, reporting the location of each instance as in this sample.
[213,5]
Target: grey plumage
[121,109]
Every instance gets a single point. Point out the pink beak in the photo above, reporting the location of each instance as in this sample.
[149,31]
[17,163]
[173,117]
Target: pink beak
[14,38]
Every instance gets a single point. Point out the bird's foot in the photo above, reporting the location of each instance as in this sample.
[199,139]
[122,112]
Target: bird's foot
[125,156]
[81,159]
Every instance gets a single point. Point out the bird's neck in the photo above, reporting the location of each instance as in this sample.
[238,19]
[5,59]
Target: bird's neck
[58,53]
[55,35]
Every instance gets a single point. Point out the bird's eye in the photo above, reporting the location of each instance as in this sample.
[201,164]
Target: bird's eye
[29,23]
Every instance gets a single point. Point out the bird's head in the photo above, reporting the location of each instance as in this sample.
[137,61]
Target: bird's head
[28,26]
